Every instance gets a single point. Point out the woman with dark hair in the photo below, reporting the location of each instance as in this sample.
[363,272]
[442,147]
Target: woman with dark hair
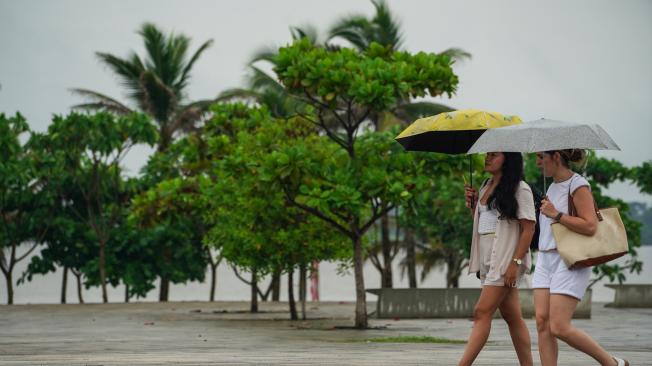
[503,226]
[558,289]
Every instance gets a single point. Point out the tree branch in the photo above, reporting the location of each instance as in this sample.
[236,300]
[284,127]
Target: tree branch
[375,217]
[316,212]
[237,274]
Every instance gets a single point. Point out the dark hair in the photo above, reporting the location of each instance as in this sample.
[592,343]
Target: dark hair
[568,156]
[503,197]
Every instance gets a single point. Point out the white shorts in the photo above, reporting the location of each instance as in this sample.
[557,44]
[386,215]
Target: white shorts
[486,244]
[551,272]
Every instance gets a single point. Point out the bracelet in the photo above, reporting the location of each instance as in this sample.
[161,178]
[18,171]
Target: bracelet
[558,217]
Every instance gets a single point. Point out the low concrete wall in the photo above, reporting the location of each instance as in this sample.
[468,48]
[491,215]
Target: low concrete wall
[632,296]
[450,303]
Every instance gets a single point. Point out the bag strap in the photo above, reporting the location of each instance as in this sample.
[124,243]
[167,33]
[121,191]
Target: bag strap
[572,211]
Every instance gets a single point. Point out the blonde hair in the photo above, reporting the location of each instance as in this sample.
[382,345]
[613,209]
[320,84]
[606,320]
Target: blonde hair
[575,159]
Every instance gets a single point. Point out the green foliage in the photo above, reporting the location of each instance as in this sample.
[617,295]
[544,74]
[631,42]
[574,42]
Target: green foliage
[79,159]
[251,221]
[642,176]
[24,206]
[375,79]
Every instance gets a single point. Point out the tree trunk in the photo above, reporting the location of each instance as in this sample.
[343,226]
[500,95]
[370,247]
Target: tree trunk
[105,295]
[126,293]
[314,281]
[64,285]
[293,305]
[80,296]
[254,292]
[360,296]
[213,280]
[453,271]
[164,291]
[276,285]
[302,289]
[411,258]
[386,274]
[10,287]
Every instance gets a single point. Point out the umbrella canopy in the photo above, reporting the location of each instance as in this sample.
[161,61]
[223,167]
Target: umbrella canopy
[544,135]
[452,132]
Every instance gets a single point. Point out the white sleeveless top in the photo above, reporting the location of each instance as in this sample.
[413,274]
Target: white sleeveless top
[558,196]
[487,220]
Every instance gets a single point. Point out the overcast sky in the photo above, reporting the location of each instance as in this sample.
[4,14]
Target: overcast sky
[578,61]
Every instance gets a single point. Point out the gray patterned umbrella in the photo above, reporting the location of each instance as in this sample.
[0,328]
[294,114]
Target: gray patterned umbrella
[544,135]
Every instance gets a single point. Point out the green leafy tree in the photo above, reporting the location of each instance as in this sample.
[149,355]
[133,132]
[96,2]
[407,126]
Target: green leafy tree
[348,86]
[23,204]
[250,220]
[70,245]
[168,214]
[87,150]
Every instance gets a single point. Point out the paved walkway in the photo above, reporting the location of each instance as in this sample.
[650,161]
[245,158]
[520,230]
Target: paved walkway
[222,333]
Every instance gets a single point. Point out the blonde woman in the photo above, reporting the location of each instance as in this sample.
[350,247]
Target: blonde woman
[557,289]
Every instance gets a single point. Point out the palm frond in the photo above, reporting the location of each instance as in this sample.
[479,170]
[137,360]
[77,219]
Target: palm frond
[457,54]
[386,27]
[352,29]
[128,71]
[238,94]
[100,102]
[160,100]
[260,80]
[154,45]
[265,53]
[186,70]
[307,31]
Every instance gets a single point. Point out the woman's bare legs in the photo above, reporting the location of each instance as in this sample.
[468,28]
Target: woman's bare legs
[490,299]
[510,310]
[561,312]
[548,348]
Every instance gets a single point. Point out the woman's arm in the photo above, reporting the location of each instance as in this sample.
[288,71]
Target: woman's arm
[525,237]
[586,221]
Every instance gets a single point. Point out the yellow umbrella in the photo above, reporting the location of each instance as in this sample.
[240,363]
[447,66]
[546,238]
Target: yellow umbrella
[452,132]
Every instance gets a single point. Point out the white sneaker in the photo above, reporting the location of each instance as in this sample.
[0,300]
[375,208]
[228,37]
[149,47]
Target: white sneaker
[620,361]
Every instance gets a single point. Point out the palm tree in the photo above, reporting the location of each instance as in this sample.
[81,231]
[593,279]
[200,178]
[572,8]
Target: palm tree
[155,83]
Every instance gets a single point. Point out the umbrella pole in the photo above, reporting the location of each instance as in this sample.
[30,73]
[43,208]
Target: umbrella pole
[471,170]
[471,176]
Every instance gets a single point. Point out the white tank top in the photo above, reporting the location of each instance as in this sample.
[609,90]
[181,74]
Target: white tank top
[488,219]
[558,196]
